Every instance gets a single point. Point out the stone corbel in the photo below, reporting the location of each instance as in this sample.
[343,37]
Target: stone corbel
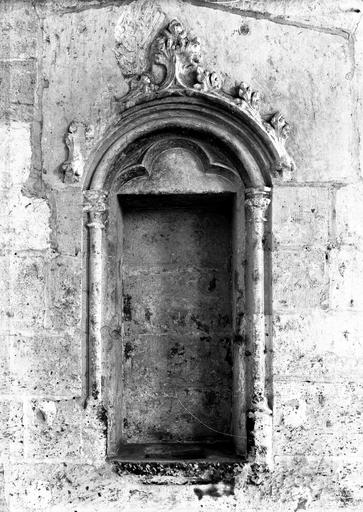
[74,165]
[260,415]
[95,204]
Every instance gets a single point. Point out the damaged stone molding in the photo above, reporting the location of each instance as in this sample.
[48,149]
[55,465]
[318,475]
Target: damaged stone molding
[175,67]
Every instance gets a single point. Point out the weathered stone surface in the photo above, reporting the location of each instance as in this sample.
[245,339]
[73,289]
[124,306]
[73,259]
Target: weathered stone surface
[314,418]
[3,505]
[357,91]
[349,211]
[22,293]
[46,365]
[94,424]
[4,364]
[25,220]
[306,59]
[185,311]
[17,90]
[12,430]
[64,293]
[53,429]
[300,280]
[176,237]
[318,96]
[67,218]
[313,101]
[301,216]
[18,29]
[336,486]
[346,278]
[318,346]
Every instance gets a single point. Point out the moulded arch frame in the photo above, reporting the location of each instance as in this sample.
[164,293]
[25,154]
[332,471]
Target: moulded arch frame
[255,153]
[255,156]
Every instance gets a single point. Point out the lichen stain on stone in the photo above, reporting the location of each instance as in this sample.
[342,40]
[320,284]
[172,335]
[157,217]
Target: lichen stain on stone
[127,312]
[128,351]
[148,314]
[176,350]
[200,325]
[215,491]
[212,284]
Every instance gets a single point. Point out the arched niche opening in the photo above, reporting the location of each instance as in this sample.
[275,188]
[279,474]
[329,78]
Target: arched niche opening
[177,198]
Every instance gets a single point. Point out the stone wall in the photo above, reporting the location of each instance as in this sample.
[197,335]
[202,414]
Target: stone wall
[58,64]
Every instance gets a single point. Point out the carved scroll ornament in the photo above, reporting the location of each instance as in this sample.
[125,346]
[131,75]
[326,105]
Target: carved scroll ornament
[175,65]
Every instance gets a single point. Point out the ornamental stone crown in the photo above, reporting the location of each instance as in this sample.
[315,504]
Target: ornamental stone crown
[174,64]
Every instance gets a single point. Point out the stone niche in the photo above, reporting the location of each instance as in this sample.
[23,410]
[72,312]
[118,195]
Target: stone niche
[177,200]
[175,294]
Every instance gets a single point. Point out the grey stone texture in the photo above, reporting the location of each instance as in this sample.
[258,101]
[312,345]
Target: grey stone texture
[57,64]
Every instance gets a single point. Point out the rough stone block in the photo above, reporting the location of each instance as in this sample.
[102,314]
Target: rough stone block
[349,212]
[64,293]
[301,216]
[24,220]
[318,418]
[175,237]
[94,433]
[17,89]
[26,225]
[15,154]
[86,488]
[68,221]
[64,487]
[299,280]
[18,29]
[53,429]
[318,346]
[22,293]
[4,364]
[317,484]
[179,302]
[346,278]
[46,365]
[3,505]
[4,430]
[11,430]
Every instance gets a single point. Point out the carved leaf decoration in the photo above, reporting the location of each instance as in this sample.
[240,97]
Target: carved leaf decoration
[174,63]
[134,33]
[246,95]
[282,128]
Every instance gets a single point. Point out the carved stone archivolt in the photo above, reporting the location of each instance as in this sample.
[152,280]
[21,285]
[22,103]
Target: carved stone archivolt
[175,66]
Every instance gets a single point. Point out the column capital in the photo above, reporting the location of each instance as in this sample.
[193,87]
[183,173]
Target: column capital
[258,199]
[95,201]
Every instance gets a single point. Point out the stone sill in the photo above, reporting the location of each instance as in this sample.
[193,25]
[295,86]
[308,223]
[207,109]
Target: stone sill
[190,462]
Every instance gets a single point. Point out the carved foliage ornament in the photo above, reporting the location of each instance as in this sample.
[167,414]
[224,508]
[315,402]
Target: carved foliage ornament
[175,63]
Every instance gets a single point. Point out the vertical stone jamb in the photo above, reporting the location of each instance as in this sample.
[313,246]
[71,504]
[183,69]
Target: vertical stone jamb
[260,415]
[96,207]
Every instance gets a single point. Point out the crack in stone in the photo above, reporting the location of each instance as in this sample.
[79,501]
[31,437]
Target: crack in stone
[247,13]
